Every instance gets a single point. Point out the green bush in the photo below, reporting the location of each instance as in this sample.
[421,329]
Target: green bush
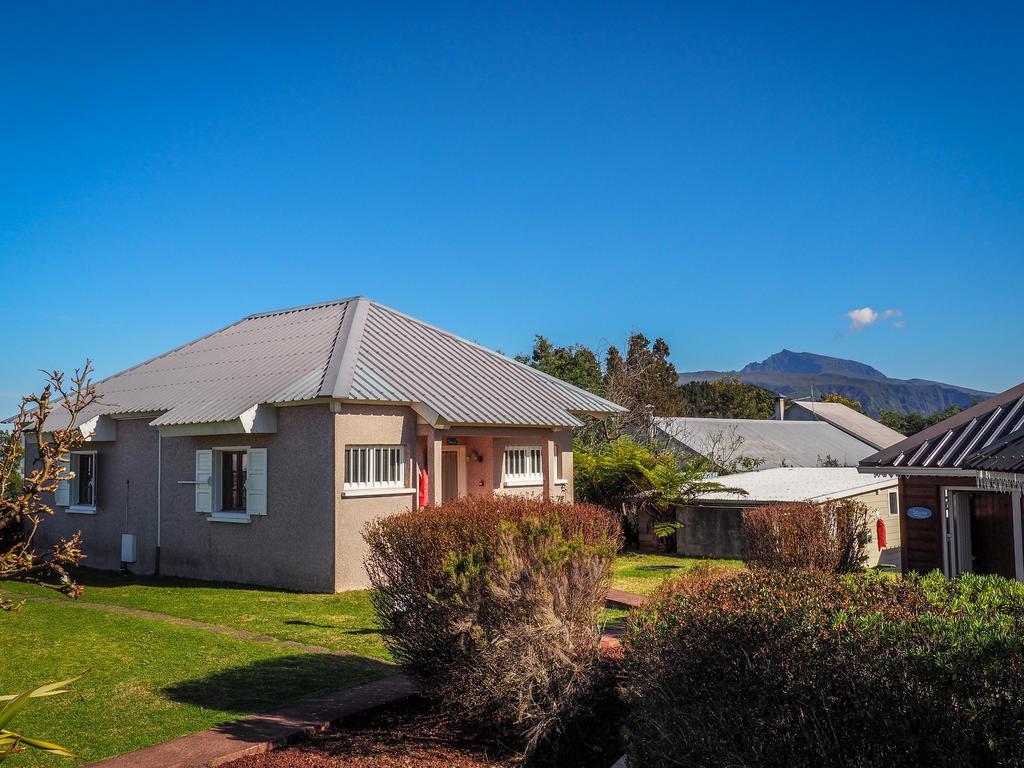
[494,605]
[791,668]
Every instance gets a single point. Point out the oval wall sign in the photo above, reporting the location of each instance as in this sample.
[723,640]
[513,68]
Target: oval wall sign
[919,513]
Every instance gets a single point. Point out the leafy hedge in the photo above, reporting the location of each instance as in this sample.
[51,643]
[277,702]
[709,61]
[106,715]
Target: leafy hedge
[494,605]
[830,536]
[774,668]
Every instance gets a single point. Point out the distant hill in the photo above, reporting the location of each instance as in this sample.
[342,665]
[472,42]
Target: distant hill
[793,374]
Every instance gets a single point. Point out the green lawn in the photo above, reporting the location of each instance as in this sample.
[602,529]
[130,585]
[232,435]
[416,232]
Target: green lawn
[149,681]
[342,622]
[641,572]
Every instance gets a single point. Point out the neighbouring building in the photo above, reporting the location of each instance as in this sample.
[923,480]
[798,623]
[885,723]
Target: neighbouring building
[257,453]
[712,527]
[771,443]
[960,486]
[840,416]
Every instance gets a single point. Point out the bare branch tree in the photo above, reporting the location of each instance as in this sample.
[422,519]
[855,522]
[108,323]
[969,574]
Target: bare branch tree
[21,499]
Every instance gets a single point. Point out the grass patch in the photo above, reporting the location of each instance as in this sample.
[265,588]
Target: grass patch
[149,681]
[642,572]
[343,622]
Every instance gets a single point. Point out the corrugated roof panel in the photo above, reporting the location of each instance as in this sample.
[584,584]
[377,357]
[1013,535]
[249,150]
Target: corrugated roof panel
[777,443]
[967,433]
[867,429]
[1007,455]
[298,354]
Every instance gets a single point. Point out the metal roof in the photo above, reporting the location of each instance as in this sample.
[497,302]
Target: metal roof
[1007,455]
[950,444]
[778,443]
[351,349]
[876,434]
[786,484]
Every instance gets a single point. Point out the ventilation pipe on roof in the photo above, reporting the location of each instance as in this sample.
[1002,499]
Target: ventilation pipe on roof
[780,409]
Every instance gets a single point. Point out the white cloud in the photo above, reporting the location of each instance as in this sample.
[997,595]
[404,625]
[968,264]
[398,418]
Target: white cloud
[865,316]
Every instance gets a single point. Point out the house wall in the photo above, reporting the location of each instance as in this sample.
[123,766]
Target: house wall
[289,547]
[368,425]
[922,539]
[311,537]
[877,503]
[125,484]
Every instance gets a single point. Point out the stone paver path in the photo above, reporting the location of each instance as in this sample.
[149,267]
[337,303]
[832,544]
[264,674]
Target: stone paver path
[262,733]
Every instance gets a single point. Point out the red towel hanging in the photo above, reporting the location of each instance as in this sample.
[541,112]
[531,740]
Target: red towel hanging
[880,529]
[424,488]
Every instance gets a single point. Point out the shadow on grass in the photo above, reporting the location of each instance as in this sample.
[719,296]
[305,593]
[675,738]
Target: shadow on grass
[270,683]
[93,577]
[659,567]
[304,623]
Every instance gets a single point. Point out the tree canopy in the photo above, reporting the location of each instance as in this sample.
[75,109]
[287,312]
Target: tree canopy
[727,398]
[914,421]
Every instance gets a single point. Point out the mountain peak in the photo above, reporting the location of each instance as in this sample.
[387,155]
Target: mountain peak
[787,361]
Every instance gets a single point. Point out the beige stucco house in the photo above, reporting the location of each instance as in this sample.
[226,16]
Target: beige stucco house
[257,453]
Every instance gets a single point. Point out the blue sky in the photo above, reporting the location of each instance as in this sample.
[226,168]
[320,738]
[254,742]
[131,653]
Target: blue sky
[735,178]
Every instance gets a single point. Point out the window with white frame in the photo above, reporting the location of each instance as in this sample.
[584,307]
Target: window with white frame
[894,504]
[524,465]
[374,466]
[80,491]
[231,482]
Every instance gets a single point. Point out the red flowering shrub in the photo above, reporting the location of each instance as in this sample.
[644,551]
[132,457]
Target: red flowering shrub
[494,605]
[830,537]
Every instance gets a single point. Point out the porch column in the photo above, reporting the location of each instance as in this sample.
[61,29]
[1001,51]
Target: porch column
[547,446]
[434,466]
[1018,538]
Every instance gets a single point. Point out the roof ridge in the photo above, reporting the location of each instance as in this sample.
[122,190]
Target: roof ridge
[302,307]
[342,365]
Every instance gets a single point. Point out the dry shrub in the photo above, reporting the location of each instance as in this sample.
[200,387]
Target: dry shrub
[804,669]
[494,605]
[830,537]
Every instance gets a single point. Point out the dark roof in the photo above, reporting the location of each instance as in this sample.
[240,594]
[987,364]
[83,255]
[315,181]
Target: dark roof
[952,443]
[352,350]
[1005,456]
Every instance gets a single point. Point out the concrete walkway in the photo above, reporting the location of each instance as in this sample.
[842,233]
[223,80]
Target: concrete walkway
[262,733]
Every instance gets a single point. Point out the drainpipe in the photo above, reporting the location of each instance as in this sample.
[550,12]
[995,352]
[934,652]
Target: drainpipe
[159,445]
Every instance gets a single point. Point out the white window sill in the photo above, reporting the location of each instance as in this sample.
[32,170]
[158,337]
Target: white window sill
[561,482]
[230,517]
[524,483]
[80,510]
[356,492]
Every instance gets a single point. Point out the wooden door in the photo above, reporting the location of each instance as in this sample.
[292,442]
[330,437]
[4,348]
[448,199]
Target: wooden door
[992,534]
[449,475]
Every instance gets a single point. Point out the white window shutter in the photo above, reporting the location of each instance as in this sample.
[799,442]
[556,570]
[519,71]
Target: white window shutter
[256,482]
[204,482]
[62,497]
